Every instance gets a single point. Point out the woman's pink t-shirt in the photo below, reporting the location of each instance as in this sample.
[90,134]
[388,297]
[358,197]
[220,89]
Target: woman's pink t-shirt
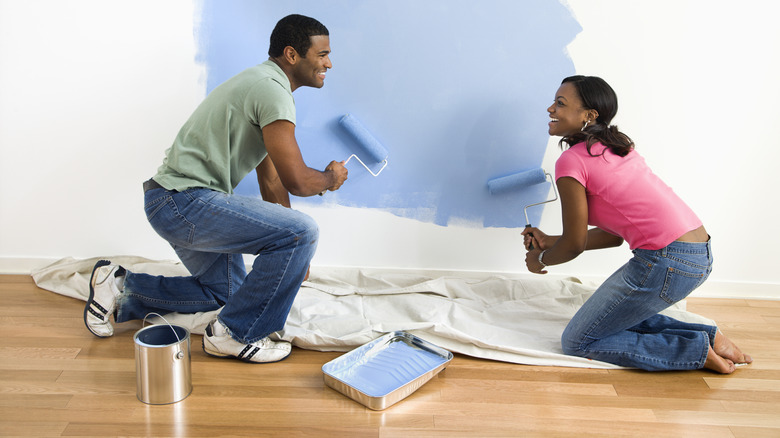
[626,198]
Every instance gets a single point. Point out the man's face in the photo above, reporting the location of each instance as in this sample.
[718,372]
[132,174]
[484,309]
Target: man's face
[310,71]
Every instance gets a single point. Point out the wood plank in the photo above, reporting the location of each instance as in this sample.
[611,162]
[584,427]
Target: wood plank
[17,279]
[565,427]
[32,428]
[757,407]
[82,364]
[755,432]
[735,383]
[512,390]
[751,419]
[47,401]
[21,352]
[194,429]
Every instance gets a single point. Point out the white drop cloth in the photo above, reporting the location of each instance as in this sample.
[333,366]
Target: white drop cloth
[500,318]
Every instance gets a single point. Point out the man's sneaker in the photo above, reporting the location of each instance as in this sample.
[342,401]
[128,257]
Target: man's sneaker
[105,286]
[218,342]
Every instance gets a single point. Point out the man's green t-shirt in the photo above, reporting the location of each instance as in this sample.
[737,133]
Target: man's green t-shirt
[222,141]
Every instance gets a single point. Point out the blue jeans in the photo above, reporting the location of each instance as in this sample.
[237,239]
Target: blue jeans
[210,231]
[620,323]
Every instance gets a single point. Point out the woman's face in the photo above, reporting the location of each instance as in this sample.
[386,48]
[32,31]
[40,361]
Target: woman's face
[567,114]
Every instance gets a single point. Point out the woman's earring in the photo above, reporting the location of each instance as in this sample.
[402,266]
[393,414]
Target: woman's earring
[585,126]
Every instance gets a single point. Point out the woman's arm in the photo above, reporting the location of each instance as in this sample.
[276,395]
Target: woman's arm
[576,237]
[599,239]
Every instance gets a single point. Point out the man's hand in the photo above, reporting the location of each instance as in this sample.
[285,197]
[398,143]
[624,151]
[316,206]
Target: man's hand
[339,172]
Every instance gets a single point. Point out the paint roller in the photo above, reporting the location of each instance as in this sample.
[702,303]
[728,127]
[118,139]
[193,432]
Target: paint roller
[527,178]
[366,141]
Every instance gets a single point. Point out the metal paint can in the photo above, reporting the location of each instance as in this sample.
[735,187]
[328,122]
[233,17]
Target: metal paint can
[162,364]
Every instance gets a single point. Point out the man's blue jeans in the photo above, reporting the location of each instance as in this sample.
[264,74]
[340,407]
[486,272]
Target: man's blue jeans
[620,324]
[210,231]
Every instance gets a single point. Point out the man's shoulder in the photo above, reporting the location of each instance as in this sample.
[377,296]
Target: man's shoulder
[259,82]
[263,72]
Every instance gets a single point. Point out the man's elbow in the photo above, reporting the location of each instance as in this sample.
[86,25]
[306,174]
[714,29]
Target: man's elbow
[297,190]
[297,187]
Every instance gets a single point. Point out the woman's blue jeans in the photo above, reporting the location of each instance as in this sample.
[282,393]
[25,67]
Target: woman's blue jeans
[210,230]
[620,323]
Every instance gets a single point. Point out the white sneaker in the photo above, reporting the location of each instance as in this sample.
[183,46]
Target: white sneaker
[105,286]
[218,342]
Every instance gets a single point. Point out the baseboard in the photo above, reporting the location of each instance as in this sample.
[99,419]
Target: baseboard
[23,265]
[710,289]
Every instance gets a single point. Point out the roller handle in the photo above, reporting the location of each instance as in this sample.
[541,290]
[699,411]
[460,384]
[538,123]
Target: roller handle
[531,235]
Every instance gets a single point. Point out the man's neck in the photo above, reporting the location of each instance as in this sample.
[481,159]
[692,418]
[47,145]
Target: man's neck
[285,68]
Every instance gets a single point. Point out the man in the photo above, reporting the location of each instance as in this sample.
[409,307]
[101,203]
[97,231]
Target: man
[247,122]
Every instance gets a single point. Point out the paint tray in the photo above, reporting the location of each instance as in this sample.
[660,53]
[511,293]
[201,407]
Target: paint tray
[385,370]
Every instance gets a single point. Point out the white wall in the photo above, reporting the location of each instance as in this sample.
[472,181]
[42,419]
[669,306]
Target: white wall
[92,92]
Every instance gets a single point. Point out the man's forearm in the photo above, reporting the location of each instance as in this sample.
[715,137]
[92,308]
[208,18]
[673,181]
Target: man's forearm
[271,187]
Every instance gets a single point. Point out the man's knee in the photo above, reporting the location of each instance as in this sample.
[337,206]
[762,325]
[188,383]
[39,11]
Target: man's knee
[309,229]
[303,230]
[571,343]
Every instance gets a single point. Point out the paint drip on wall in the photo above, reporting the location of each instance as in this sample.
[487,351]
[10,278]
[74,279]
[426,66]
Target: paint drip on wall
[455,90]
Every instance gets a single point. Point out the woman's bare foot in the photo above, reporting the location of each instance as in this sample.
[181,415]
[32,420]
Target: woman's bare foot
[718,364]
[726,349]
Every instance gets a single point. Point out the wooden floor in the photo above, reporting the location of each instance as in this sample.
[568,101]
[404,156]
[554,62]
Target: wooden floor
[57,379]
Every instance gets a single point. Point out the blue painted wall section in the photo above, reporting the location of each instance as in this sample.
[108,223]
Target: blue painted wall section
[455,90]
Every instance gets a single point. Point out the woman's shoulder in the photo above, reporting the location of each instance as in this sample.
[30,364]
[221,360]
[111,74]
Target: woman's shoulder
[582,149]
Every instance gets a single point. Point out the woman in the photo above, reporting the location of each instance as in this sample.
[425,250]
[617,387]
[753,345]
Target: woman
[604,182]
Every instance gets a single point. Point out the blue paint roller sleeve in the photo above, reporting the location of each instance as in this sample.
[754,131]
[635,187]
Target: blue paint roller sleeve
[371,145]
[516,181]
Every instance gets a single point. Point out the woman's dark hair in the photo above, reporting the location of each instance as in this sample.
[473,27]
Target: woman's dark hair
[596,94]
[294,31]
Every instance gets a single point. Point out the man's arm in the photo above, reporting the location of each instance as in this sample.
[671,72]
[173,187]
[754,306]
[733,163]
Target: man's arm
[271,187]
[297,178]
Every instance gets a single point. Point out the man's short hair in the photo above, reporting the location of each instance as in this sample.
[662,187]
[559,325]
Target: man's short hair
[295,31]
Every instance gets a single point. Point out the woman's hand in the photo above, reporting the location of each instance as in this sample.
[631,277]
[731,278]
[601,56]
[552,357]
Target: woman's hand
[532,262]
[534,236]
[540,241]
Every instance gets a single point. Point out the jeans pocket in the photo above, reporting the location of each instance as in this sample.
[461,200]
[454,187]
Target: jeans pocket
[153,205]
[169,223]
[636,271]
[678,284]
